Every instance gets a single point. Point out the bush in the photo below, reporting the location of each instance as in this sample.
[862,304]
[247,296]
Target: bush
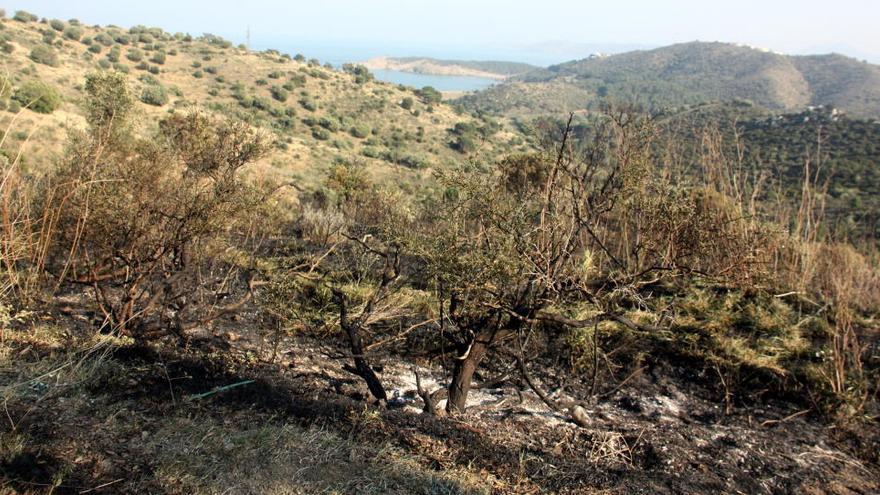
[113,55]
[44,54]
[154,69]
[95,48]
[360,131]
[135,55]
[158,58]
[154,95]
[57,24]
[429,95]
[104,64]
[320,133]
[407,103]
[279,93]
[178,191]
[308,104]
[198,74]
[73,33]
[211,70]
[103,39]
[38,96]
[24,16]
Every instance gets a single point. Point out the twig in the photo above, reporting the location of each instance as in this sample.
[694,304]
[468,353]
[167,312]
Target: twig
[219,389]
[102,486]
[771,422]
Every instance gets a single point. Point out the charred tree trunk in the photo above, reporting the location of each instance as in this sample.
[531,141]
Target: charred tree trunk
[361,366]
[463,371]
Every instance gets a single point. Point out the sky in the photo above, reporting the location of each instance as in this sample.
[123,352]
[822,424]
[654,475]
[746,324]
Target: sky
[549,30]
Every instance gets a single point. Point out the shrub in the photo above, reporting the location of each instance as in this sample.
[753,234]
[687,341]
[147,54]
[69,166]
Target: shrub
[320,133]
[104,64]
[57,24]
[103,39]
[308,104]
[135,55]
[178,191]
[73,33]
[154,95]
[24,16]
[280,94]
[44,54]
[113,54]
[429,95]
[95,48]
[407,103]
[196,64]
[360,131]
[211,70]
[123,39]
[198,74]
[154,69]
[38,96]
[158,58]
[328,124]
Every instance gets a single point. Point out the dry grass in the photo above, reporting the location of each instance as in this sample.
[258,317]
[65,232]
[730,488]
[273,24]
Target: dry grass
[209,457]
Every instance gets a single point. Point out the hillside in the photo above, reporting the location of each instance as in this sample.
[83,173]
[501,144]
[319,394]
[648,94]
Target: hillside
[317,116]
[225,271]
[425,65]
[843,152]
[693,73]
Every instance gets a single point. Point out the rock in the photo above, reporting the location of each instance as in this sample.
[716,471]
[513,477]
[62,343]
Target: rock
[579,416]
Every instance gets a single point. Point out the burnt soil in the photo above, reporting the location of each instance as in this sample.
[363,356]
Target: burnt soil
[666,431]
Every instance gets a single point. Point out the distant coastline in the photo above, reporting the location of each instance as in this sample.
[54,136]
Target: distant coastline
[416,65]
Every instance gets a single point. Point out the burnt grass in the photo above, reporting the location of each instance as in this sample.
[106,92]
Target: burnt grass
[706,446]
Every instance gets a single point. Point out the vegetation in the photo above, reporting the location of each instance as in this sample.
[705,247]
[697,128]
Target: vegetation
[154,95]
[258,287]
[44,54]
[688,74]
[38,97]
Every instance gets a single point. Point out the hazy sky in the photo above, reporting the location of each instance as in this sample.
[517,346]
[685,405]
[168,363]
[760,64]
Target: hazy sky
[802,26]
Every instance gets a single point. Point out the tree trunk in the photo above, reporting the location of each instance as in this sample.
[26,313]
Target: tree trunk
[463,373]
[361,366]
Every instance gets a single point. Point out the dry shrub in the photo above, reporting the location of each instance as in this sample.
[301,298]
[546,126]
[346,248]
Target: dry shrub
[145,222]
[21,240]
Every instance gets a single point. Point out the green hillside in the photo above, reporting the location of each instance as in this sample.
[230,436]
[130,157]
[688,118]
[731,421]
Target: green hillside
[693,73]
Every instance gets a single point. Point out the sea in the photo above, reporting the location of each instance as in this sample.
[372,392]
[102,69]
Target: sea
[339,53]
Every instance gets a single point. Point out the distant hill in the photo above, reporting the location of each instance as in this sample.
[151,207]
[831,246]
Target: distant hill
[424,65]
[693,73]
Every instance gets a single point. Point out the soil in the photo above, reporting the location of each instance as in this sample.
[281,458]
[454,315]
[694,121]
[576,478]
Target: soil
[667,430]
